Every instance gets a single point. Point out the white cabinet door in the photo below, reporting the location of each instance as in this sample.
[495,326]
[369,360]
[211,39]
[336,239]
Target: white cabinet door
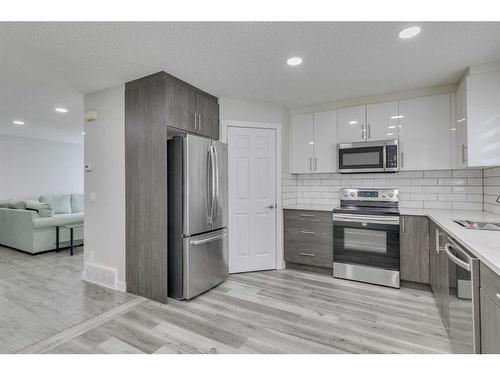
[483,119]
[325,142]
[382,121]
[352,121]
[424,138]
[458,130]
[302,144]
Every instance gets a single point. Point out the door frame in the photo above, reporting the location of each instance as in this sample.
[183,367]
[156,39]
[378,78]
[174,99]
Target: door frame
[225,125]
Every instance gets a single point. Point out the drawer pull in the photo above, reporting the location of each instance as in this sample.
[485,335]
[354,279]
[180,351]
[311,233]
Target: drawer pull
[306,232]
[306,215]
[498,295]
[307,254]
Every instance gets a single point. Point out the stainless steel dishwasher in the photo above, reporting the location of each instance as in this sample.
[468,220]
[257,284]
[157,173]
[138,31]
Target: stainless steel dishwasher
[461,315]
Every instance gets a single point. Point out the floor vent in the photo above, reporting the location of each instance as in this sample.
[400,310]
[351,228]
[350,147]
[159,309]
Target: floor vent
[100,275]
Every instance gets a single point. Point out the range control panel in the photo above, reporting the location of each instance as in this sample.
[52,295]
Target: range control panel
[379,195]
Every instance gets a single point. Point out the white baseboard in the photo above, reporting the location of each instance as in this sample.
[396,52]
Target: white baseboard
[102,275]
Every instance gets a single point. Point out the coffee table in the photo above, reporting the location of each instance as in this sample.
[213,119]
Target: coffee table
[72,243]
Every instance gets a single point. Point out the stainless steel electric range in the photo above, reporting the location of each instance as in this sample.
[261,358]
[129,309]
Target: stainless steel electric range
[366,236]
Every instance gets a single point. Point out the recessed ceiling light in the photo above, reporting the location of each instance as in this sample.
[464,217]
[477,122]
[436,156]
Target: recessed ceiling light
[294,61]
[353,122]
[409,32]
[17,122]
[392,127]
[61,110]
[396,117]
[83,133]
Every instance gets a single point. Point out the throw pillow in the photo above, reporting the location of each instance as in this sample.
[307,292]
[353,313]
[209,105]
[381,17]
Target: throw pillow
[33,204]
[17,205]
[46,212]
[60,203]
[77,203]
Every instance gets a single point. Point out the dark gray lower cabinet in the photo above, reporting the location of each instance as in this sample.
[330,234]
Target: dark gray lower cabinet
[438,270]
[414,245]
[309,240]
[490,311]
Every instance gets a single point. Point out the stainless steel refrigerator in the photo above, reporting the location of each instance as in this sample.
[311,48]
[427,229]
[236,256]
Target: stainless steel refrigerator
[197,215]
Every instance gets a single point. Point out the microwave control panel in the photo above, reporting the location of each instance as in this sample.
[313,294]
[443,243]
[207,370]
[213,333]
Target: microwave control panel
[391,154]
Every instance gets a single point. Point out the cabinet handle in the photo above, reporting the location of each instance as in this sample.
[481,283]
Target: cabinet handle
[306,232]
[402,159]
[363,132]
[403,225]
[369,131]
[306,215]
[464,153]
[310,164]
[315,163]
[199,122]
[195,122]
[308,254]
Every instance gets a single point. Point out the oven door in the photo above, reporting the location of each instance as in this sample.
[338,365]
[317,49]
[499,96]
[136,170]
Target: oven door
[361,158]
[366,248]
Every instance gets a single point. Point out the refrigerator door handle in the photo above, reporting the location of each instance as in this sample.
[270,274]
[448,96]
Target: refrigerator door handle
[206,240]
[213,182]
[216,184]
[208,187]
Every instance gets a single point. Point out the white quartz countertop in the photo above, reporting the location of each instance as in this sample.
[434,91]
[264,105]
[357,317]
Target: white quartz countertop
[312,207]
[485,245]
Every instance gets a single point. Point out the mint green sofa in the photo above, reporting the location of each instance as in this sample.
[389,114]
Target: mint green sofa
[30,225]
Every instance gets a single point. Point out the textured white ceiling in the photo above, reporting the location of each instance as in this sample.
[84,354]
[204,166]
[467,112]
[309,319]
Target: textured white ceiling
[42,64]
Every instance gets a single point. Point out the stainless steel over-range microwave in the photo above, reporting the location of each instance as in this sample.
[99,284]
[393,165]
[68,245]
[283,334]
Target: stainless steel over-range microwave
[359,157]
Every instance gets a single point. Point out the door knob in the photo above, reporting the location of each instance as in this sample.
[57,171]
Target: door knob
[272,205]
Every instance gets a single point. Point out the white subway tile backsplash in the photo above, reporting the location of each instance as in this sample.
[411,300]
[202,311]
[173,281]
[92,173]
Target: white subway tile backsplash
[437,189]
[423,181]
[411,204]
[492,172]
[467,206]
[462,189]
[430,174]
[438,205]
[452,181]
[475,181]
[491,190]
[467,189]
[468,173]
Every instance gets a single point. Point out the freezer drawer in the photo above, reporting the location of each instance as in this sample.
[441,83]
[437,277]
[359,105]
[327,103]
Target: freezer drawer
[205,262]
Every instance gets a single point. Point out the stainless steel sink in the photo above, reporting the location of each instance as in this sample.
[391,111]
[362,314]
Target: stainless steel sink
[479,225]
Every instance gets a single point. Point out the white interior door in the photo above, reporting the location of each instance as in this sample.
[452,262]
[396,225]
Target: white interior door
[252,199]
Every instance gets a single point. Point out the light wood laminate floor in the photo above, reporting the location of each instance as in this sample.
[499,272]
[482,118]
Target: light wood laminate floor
[42,295]
[45,307]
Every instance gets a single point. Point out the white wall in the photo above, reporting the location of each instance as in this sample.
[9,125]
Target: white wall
[105,218]
[32,167]
[257,111]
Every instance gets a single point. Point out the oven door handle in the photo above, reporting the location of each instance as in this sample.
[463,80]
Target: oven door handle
[372,219]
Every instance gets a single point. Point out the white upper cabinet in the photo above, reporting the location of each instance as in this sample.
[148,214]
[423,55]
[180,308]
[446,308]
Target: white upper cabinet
[483,119]
[325,142]
[382,121]
[314,143]
[302,143]
[424,138]
[352,124]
